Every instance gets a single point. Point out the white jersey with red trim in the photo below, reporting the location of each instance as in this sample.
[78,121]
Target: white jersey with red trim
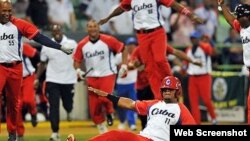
[205,59]
[10,39]
[10,49]
[160,117]
[99,55]
[146,13]
[245,38]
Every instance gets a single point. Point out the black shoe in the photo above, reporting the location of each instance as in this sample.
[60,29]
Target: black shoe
[69,116]
[109,120]
[12,137]
[33,120]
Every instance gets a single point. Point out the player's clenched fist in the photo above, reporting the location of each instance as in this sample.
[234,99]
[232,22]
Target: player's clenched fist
[80,73]
[220,2]
[123,71]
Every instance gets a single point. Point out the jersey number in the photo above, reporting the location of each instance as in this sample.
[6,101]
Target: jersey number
[167,121]
[150,11]
[11,43]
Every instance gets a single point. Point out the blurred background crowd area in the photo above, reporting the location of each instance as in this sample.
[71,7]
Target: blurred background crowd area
[73,15]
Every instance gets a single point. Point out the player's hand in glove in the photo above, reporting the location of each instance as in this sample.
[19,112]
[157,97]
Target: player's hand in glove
[123,71]
[80,74]
[67,49]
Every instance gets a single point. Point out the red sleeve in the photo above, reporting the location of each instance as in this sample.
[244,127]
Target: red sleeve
[78,56]
[27,29]
[186,117]
[208,49]
[166,3]
[170,49]
[236,25]
[112,43]
[28,50]
[142,107]
[126,5]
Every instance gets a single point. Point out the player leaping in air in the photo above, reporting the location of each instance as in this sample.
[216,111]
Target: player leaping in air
[240,23]
[147,21]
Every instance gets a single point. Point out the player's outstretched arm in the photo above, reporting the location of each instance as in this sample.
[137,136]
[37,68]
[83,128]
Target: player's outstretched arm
[226,12]
[116,12]
[183,56]
[46,41]
[119,101]
[183,10]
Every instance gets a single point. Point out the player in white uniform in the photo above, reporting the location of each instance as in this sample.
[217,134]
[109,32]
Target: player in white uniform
[161,113]
[60,79]
[241,24]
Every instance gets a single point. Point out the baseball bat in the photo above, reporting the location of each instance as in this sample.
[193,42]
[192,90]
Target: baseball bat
[84,75]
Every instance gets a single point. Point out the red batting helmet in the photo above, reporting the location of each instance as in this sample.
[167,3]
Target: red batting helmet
[172,82]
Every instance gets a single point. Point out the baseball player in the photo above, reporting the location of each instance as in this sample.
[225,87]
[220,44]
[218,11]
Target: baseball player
[170,50]
[144,91]
[161,113]
[240,23]
[12,30]
[60,79]
[151,36]
[125,87]
[200,79]
[97,51]
[27,98]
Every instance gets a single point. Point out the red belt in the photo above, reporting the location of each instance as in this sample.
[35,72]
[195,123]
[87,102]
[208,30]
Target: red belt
[12,64]
[142,31]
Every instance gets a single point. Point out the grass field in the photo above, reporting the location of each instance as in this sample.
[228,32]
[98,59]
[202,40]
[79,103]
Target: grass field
[83,130]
